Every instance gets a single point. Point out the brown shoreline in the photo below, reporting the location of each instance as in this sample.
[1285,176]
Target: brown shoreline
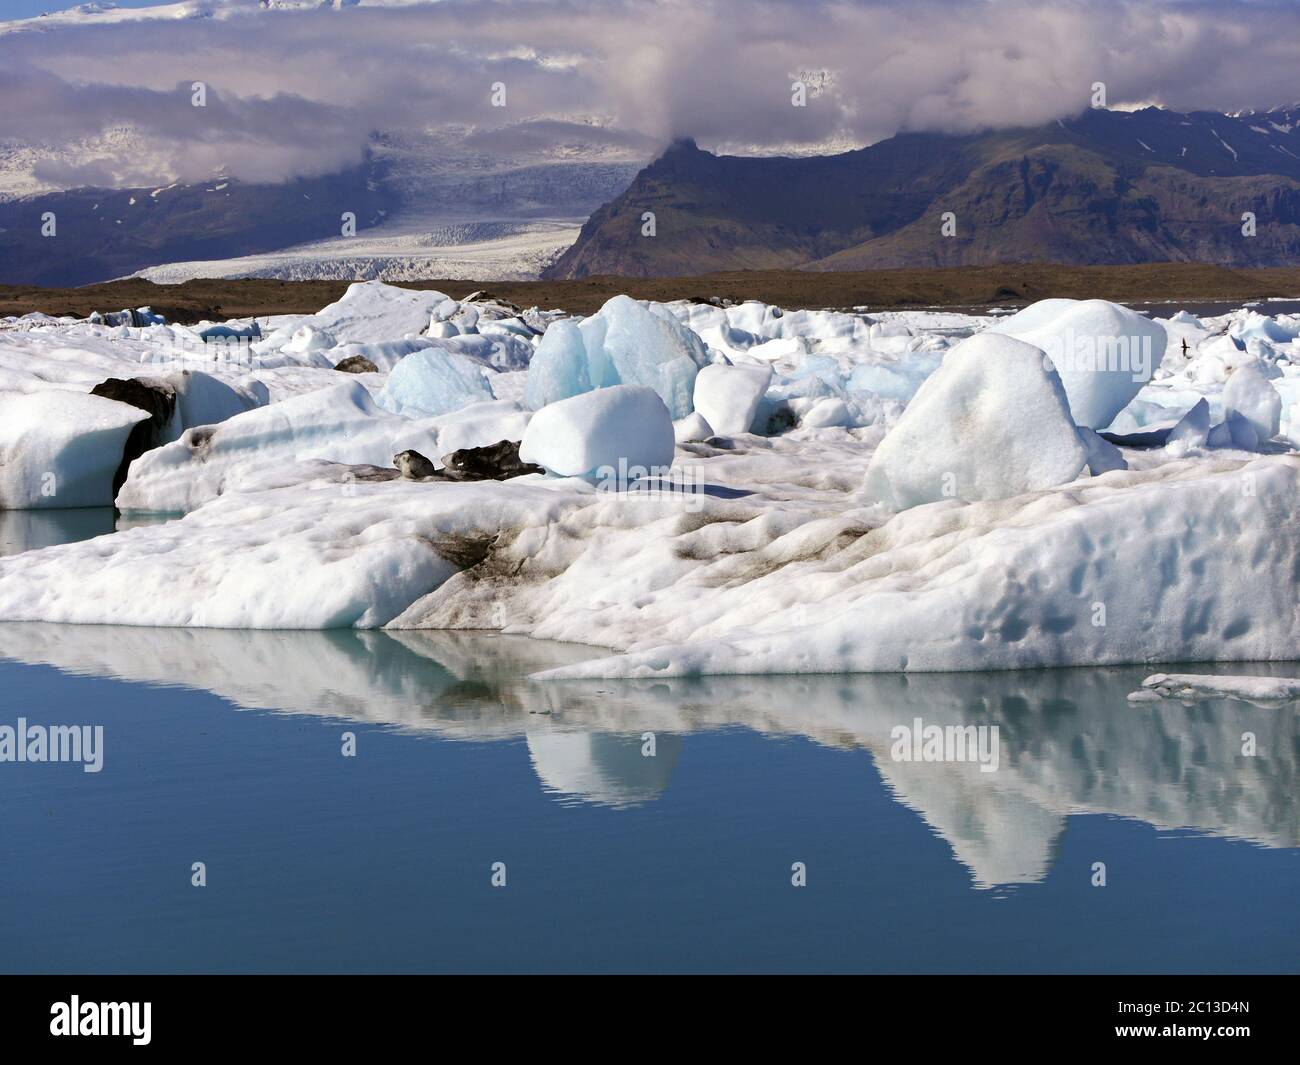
[971,286]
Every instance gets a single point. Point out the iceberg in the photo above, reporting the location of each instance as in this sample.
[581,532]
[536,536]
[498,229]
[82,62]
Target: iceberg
[434,381]
[1252,406]
[558,369]
[647,346]
[993,421]
[61,449]
[728,396]
[1104,353]
[617,428]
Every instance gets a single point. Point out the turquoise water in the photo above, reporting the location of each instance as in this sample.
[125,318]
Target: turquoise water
[227,748]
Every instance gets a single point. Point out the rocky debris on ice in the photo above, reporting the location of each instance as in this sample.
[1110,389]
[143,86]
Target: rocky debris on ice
[993,421]
[356,364]
[1103,352]
[1190,686]
[619,429]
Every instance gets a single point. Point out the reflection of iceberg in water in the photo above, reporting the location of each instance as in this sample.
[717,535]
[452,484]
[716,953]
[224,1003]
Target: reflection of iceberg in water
[30,530]
[1070,741]
[603,767]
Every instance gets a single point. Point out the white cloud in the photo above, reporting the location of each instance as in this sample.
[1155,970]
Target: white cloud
[299,92]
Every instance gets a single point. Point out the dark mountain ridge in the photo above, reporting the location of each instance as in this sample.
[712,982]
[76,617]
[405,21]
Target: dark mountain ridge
[1104,187]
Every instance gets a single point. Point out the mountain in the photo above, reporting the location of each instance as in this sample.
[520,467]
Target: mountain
[1104,187]
[415,203]
[100,234]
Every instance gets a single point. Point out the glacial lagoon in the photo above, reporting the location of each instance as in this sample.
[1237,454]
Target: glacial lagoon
[486,821]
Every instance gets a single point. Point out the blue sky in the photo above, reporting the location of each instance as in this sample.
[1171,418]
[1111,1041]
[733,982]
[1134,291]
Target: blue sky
[10,9]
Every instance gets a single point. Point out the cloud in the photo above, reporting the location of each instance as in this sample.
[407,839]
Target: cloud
[301,92]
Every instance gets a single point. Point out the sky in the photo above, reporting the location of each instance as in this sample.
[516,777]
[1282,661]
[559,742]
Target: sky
[11,9]
[301,92]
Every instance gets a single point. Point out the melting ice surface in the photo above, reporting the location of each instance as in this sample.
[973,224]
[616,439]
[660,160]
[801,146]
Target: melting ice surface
[226,746]
[912,491]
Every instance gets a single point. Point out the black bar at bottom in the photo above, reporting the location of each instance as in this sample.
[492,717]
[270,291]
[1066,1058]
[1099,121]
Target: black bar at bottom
[336,1013]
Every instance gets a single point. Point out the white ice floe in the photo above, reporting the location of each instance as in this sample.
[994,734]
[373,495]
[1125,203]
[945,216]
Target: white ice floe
[991,422]
[728,396]
[369,311]
[789,558]
[1103,352]
[341,424]
[1190,686]
[618,428]
[1181,563]
[61,449]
